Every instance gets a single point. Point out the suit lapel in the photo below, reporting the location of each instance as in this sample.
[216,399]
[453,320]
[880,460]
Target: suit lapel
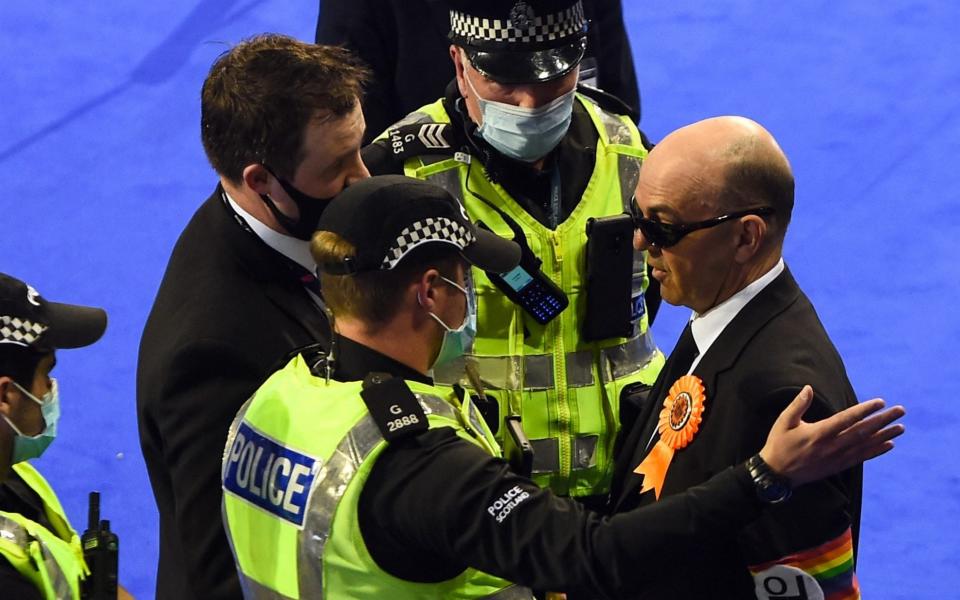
[301,308]
[270,268]
[634,449]
[770,302]
[721,356]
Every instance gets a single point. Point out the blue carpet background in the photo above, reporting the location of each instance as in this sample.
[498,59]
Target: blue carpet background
[102,166]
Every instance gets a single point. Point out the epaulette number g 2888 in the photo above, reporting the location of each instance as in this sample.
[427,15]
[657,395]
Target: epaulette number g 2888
[393,407]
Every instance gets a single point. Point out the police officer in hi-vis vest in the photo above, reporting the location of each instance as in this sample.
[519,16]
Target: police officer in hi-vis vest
[40,553]
[350,475]
[563,340]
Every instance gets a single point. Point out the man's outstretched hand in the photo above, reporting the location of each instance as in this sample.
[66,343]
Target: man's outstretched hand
[804,452]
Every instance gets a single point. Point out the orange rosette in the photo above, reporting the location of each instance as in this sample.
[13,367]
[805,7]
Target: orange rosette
[679,423]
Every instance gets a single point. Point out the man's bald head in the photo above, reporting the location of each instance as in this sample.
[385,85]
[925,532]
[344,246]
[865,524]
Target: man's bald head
[737,164]
[710,186]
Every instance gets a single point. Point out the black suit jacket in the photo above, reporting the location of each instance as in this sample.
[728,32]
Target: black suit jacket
[774,346]
[228,310]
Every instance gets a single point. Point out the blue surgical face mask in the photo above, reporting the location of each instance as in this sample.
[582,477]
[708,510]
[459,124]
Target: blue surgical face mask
[456,341]
[526,134]
[26,447]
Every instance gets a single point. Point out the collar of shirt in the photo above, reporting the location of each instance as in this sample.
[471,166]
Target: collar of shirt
[353,362]
[295,249]
[706,328]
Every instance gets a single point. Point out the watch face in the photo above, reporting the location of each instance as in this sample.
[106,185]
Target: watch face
[770,487]
[774,491]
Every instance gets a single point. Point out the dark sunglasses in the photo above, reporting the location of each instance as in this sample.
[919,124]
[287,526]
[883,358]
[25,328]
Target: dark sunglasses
[664,235]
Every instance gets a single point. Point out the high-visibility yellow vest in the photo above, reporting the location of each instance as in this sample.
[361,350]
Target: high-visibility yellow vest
[565,390]
[296,460]
[52,560]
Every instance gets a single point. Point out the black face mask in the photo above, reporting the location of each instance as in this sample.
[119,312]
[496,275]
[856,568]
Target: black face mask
[309,208]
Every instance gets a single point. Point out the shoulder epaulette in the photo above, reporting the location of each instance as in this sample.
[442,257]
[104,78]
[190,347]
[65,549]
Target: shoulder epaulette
[615,105]
[420,139]
[608,101]
[393,406]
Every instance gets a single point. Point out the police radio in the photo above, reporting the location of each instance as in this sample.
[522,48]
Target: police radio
[533,291]
[100,552]
[526,285]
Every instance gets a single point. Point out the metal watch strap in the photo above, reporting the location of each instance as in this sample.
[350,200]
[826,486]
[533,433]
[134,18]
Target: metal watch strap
[770,487]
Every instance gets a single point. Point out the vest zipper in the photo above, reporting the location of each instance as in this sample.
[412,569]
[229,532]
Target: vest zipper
[560,371]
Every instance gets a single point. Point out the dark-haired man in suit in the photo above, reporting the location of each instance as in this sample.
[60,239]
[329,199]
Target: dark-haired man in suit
[281,124]
[713,203]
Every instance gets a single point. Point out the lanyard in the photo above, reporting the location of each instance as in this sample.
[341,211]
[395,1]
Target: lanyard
[555,196]
[307,279]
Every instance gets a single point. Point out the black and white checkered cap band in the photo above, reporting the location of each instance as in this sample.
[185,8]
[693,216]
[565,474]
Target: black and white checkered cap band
[431,229]
[538,29]
[14,330]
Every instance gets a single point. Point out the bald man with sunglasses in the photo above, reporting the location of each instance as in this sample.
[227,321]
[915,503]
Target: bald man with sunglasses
[712,207]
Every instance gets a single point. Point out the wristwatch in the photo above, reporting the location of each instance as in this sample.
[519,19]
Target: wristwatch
[771,487]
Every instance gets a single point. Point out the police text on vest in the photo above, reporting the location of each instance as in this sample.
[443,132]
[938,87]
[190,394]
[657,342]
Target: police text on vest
[269,475]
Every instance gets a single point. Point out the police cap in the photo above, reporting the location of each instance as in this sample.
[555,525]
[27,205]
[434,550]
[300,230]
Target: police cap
[520,41]
[29,320]
[386,217]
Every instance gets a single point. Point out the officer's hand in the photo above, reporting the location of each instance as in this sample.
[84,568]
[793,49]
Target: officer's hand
[123,594]
[804,452]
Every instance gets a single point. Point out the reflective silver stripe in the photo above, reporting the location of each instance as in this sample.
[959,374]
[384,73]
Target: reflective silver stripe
[58,579]
[639,275]
[617,131]
[514,592]
[505,372]
[585,451]
[449,180]
[628,168]
[546,454]
[580,368]
[328,488]
[628,358]
[437,406]
[412,119]
[12,531]
[496,372]
[254,589]
[330,485]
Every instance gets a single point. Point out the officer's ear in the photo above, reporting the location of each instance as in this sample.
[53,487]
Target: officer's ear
[9,396]
[427,286]
[456,55]
[257,178]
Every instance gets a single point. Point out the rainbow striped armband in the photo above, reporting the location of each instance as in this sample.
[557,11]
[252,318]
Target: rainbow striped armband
[821,573]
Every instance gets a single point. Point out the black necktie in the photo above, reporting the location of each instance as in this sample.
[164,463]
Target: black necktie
[681,358]
[677,366]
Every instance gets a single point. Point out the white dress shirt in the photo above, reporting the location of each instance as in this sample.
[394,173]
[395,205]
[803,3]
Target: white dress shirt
[706,328]
[293,248]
